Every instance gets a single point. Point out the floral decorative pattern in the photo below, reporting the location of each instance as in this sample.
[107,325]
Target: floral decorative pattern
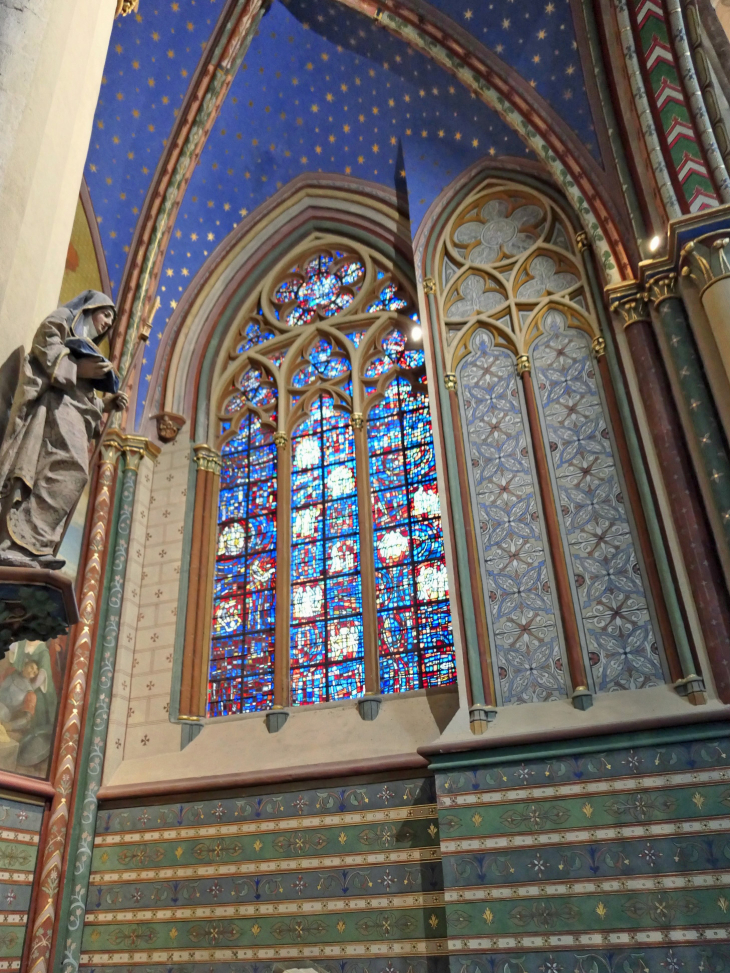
[620,639]
[545,279]
[498,232]
[523,629]
[475,298]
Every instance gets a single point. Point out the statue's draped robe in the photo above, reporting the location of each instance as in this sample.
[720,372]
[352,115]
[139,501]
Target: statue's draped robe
[44,458]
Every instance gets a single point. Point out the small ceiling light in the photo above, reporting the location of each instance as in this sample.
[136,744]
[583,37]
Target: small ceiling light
[417,333]
[655,243]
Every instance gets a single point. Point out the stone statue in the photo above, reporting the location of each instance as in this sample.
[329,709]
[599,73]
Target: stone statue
[64,387]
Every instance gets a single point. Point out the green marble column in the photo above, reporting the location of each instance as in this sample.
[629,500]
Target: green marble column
[690,376]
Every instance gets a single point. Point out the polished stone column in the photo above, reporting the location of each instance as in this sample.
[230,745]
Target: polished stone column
[688,513]
[52,55]
[710,446]
[706,262]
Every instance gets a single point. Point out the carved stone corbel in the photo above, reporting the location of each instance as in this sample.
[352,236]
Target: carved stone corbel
[169,425]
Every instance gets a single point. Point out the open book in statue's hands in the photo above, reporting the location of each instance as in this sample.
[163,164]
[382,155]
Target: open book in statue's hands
[83,348]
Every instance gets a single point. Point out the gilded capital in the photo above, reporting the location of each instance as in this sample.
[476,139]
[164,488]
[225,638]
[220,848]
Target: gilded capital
[450,381]
[663,288]
[281,440]
[632,308]
[581,239]
[599,346]
[207,459]
[429,285]
[135,448]
[357,420]
[706,260]
[523,364]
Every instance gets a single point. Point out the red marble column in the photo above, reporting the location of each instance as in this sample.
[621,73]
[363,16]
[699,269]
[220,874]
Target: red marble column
[688,513]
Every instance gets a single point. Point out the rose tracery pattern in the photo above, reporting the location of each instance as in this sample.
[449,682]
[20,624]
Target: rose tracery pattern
[325,285]
[498,232]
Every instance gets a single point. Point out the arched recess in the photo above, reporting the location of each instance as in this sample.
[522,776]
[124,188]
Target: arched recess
[554,552]
[484,75]
[289,385]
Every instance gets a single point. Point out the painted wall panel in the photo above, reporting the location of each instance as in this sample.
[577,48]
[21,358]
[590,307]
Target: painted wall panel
[615,860]
[344,876]
[20,825]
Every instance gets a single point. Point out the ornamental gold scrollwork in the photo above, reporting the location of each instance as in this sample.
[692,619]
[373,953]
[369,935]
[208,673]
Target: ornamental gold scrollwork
[706,259]
[126,7]
[662,289]
[632,308]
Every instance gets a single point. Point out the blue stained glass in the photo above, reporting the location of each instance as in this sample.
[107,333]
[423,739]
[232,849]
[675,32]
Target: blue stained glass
[326,614]
[388,300]
[255,334]
[242,649]
[414,624]
[320,288]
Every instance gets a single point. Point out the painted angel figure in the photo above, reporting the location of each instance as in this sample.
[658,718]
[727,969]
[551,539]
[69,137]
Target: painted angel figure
[64,387]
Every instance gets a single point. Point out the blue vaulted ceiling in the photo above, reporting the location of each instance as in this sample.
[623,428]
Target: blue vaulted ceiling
[321,88]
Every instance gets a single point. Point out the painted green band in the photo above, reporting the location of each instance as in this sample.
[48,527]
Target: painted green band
[571,748]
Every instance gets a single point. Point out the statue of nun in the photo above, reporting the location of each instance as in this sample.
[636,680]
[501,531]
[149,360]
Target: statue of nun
[65,385]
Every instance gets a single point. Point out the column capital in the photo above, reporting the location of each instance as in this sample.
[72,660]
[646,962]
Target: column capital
[429,285]
[629,303]
[706,259]
[523,364]
[357,420]
[662,288]
[135,448]
[207,459]
[281,440]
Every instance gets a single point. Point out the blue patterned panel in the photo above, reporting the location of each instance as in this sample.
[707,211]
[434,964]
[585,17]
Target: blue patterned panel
[621,643]
[523,627]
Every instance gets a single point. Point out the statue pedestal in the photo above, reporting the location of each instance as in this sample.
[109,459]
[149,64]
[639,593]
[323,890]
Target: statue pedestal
[35,604]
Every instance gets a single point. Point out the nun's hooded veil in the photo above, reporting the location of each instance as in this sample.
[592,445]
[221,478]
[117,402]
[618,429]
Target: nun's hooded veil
[44,457]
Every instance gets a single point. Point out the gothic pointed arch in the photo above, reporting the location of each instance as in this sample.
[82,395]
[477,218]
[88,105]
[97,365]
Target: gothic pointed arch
[320,573]
[563,593]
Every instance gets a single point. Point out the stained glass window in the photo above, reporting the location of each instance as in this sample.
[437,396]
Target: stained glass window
[325,285]
[326,600]
[310,385]
[242,650]
[414,621]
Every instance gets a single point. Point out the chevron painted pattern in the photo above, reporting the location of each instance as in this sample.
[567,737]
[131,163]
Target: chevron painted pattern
[672,114]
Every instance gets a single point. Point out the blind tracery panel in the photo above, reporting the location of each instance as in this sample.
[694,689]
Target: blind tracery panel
[327,378]
[512,293]
[522,611]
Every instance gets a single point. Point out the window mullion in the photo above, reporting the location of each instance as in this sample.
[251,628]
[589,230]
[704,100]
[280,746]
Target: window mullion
[283,571]
[367,556]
